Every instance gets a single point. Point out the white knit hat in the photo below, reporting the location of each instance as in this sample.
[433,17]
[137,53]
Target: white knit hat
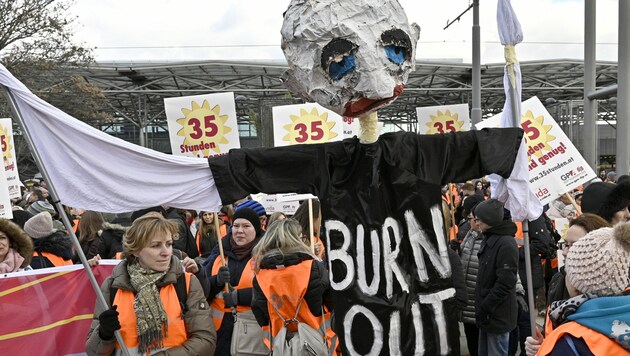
[598,263]
[39,226]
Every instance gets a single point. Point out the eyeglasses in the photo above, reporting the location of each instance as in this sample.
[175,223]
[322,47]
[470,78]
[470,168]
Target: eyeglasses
[563,244]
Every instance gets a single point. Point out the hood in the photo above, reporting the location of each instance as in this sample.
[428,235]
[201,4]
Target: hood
[275,259]
[114,227]
[609,316]
[20,241]
[58,243]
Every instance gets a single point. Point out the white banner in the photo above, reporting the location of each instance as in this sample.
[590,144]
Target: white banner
[272,204]
[305,123]
[555,165]
[443,119]
[202,125]
[10,162]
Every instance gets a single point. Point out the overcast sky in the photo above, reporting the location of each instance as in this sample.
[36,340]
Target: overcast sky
[175,30]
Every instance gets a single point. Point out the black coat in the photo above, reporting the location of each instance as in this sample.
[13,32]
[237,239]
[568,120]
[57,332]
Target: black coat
[110,241]
[495,299]
[541,247]
[57,243]
[316,291]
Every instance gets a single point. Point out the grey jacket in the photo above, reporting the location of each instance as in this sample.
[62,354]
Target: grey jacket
[198,319]
[470,263]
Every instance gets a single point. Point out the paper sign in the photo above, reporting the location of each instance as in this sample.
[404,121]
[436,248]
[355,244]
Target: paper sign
[443,119]
[555,165]
[10,162]
[305,123]
[272,204]
[202,125]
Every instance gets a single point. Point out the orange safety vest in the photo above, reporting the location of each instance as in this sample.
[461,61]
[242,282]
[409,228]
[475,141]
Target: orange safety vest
[222,231]
[54,259]
[599,344]
[176,335]
[286,287]
[218,306]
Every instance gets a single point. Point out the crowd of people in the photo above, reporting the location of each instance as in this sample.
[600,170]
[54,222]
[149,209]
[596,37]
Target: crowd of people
[191,283]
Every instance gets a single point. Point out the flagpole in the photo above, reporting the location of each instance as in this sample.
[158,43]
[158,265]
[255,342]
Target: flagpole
[64,218]
[528,261]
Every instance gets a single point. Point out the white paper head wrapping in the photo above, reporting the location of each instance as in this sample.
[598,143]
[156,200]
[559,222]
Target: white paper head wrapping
[351,56]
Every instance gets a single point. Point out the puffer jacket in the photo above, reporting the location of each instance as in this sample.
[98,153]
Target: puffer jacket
[470,263]
[58,244]
[198,319]
[317,292]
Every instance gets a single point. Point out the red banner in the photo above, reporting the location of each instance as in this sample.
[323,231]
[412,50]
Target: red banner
[49,311]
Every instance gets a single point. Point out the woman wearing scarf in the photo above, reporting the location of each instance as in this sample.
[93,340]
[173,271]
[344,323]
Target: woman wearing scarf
[146,306]
[594,321]
[16,248]
[237,272]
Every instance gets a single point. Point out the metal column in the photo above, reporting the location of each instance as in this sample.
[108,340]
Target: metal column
[623,90]
[590,105]
[475,113]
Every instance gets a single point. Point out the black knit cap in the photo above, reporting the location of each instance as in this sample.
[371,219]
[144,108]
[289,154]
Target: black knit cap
[605,199]
[470,202]
[490,211]
[249,215]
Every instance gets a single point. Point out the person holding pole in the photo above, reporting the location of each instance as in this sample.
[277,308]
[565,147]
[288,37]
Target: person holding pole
[156,305]
[231,276]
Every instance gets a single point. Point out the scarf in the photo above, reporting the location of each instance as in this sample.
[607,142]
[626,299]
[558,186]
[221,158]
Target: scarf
[561,309]
[244,251]
[151,318]
[12,262]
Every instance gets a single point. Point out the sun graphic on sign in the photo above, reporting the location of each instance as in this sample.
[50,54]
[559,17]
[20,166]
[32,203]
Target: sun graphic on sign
[564,231]
[537,134]
[309,127]
[444,123]
[203,128]
[5,141]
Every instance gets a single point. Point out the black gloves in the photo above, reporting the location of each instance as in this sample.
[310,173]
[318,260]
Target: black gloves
[230,298]
[223,276]
[454,245]
[522,303]
[108,323]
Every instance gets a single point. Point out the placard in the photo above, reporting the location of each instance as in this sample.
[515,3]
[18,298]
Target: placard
[443,119]
[10,162]
[304,124]
[202,125]
[555,165]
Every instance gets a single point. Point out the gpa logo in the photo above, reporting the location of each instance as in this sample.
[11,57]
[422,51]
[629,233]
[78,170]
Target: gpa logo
[572,173]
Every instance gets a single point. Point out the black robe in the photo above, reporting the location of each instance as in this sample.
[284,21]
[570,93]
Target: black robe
[373,195]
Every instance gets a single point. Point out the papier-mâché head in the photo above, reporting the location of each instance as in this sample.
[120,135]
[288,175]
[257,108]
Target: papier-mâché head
[350,56]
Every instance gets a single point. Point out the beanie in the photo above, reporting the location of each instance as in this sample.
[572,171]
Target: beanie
[605,199]
[39,226]
[598,262]
[20,217]
[254,205]
[39,206]
[470,202]
[490,212]
[249,215]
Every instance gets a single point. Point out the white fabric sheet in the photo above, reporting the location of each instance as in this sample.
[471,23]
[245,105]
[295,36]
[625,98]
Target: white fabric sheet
[92,170]
[515,192]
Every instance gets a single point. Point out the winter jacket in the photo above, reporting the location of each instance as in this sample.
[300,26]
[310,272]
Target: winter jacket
[540,247]
[110,241]
[186,241]
[495,307]
[317,292]
[597,327]
[58,243]
[19,240]
[198,320]
[457,273]
[470,264]
[236,266]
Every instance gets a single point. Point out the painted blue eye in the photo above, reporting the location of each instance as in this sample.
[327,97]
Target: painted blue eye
[338,70]
[396,54]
